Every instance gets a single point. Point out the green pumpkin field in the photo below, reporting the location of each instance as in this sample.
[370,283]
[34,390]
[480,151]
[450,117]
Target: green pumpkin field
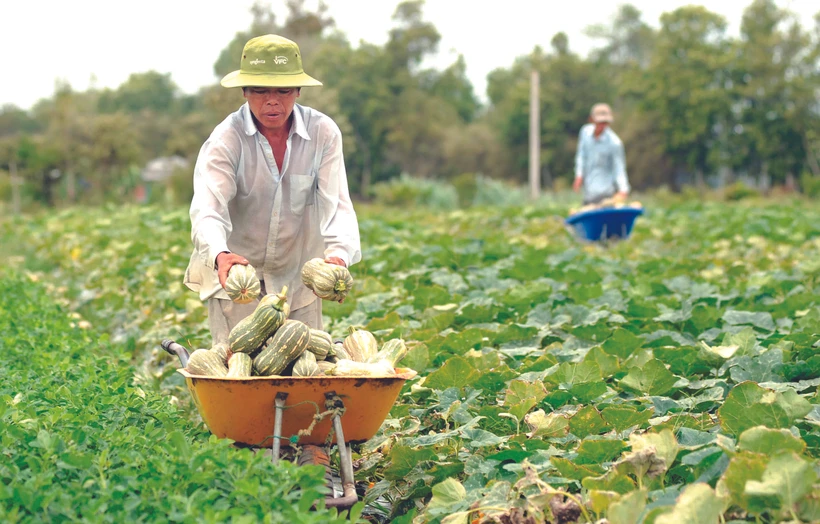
[668,378]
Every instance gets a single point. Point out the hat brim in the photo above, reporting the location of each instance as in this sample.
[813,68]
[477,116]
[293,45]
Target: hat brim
[240,79]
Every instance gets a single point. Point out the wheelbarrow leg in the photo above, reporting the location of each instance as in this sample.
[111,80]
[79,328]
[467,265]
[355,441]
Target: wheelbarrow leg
[349,496]
[279,402]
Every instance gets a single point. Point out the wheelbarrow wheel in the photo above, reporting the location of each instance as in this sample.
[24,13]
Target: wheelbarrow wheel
[316,456]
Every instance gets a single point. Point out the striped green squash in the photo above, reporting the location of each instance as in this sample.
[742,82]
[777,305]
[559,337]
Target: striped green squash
[320,343]
[285,346]
[252,331]
[328,281]
[240,365]
[222,350]
[305,365]
[392,351]
[242,284]
[360,345]
[207,363]
[325,366]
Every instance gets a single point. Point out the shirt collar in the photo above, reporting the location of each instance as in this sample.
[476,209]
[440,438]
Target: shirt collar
[299,123]
[298,126]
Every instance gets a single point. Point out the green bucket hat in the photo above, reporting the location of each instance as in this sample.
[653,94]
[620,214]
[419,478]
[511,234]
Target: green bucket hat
[270,61]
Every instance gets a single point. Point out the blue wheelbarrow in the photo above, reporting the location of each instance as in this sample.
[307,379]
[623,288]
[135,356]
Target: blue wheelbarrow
[604,224]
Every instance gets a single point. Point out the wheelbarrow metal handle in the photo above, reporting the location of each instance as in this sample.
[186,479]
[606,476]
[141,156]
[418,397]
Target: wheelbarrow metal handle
[176,349]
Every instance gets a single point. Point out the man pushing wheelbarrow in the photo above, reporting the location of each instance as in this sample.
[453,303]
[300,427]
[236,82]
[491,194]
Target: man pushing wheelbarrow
[270,191]
[601,177]
[274,230]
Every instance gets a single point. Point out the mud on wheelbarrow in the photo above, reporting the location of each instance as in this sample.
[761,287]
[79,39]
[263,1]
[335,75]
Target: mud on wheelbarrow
[252,412]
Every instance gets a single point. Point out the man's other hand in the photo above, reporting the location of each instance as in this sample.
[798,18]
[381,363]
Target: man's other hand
[576,185]
[224,261]
[336,260]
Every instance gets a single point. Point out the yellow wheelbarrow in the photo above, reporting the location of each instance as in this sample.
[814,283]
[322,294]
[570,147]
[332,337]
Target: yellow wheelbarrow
[251,411]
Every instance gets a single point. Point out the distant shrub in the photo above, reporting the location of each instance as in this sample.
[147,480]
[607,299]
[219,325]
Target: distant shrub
[689,192]
[810,185]
[466,186]
[493,192]
[561,184]
[739,191]
[406,191]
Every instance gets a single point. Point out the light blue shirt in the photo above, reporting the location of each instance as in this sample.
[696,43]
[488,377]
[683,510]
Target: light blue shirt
[278,217]
[602,164]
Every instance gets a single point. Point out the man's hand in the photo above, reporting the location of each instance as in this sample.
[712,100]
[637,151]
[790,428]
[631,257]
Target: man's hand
[576,185]
[620,196]
[336,260]
[224,261]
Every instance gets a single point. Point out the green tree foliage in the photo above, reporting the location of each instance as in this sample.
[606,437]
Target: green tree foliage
[686,84]
[568,87]
[142,91]
[690,103]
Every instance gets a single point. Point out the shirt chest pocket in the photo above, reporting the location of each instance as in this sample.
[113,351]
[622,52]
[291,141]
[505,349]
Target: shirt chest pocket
[302,192]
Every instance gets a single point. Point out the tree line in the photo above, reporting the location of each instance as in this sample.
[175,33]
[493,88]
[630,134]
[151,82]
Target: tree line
[693,105]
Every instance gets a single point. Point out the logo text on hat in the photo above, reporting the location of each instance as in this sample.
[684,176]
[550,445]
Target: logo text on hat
[280,60]
[257,61]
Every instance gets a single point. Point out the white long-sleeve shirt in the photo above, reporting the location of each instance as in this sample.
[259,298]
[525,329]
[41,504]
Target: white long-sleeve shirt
[277,219]
[601,162]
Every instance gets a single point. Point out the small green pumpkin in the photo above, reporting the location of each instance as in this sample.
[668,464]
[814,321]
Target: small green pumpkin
[305,365]
[207,363]
[252,331]
[285,346]
[392,351]
[325,366]
[222,350]
[240,365]
[328,281]
[242,285]
[360,345]
[320,343]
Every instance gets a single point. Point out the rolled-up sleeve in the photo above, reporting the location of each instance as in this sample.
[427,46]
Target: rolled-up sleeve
[214,187]
[338,223]
[579,154]
[621,179]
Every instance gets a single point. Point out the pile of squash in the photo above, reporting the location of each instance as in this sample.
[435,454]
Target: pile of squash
[608,203]
[268,343]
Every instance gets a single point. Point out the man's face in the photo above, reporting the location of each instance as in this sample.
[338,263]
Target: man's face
[271,106]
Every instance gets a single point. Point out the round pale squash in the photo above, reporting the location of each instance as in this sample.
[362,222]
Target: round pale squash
[242,285]
[360,345]
[328,281]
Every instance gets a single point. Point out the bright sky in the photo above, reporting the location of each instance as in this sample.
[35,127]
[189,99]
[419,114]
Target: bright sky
[101,42]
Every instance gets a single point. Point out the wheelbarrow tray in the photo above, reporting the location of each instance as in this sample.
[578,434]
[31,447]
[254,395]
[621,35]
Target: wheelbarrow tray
[602,224]
[242,409]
